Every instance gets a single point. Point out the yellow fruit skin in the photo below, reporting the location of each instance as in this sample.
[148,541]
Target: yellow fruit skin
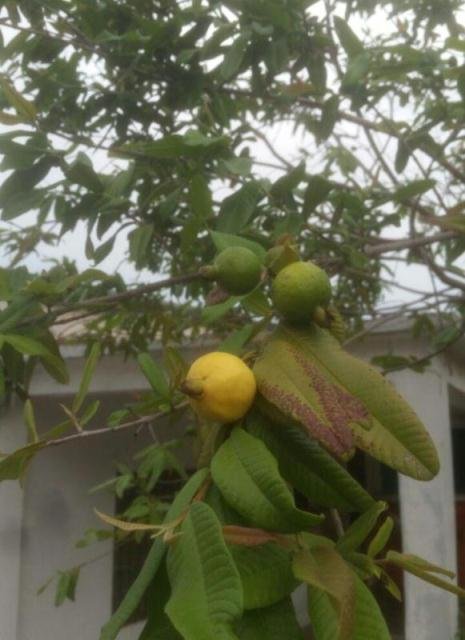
[228,385]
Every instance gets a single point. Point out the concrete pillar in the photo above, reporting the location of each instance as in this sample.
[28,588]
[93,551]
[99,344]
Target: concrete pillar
[428,512]
[12,434]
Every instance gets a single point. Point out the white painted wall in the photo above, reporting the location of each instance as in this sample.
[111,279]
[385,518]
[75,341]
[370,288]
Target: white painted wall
[11,505]
[428,513]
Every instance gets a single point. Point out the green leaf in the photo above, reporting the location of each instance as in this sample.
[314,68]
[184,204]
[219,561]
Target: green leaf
[158,625]
[356,73]
[66,586]
[225,240]
[257,303]
[191,144]
[140,240]
[349,41]
[32,347]
[360,529]
[240,165]
[413,189]
[308,467]
[89,370]
[425,571]
[292,382]
[200,198]
[284,185]
[29,419]
[26,345]
[200,557]
[13,466]
[215,312]
[155,375]
[277,622]
[368,619]
[247,475]
[152,562]
[237,209]
[89,412]
[82,172]
[381,421]
[402,156]
[23,107]
[237,339]
[381,538]
[55,365]
[233,58]
[266,574]
[316,192]
[458,44]
[329,117]
[324,570]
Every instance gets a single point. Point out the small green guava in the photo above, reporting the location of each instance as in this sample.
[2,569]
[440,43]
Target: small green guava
[299,289]
[238,270]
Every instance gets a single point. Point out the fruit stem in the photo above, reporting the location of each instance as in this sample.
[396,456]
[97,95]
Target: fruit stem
[192,388]
[209,272]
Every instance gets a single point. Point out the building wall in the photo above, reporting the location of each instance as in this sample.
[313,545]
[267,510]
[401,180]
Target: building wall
[57,509]
[11,513]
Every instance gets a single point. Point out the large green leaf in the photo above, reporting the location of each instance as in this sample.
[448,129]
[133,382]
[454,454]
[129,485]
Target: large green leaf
[368,620]
[349,41]
[323,569]
[277,622]
[158,625]
[152,562]
[237,209]
[266,574]
[206,596]
[292,380]
[248,477]
[309,378]
[308,467]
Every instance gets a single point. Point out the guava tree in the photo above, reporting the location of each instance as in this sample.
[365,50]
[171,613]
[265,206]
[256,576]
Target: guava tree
[296,130]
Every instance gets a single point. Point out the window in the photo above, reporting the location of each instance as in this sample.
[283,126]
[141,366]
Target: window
[129,556]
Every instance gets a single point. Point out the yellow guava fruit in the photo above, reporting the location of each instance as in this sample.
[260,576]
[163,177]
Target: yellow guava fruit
[220,387]
[299,289]
[238,270]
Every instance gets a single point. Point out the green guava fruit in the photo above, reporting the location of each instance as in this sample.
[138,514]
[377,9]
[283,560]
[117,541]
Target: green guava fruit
[238,270]
[299,289]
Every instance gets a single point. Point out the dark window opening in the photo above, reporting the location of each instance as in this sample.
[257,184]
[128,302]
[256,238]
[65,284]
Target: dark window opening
[458,452]
[129,556]
[382,483]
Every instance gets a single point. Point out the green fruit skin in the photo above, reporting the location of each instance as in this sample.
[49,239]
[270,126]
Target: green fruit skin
[238,270]
[279,257]
[299,289]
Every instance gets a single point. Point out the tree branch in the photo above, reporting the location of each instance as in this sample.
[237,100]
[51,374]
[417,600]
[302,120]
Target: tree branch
[127,295]
[143,421]
[409,243]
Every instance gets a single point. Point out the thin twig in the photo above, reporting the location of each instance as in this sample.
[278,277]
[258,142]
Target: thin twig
[144,420]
